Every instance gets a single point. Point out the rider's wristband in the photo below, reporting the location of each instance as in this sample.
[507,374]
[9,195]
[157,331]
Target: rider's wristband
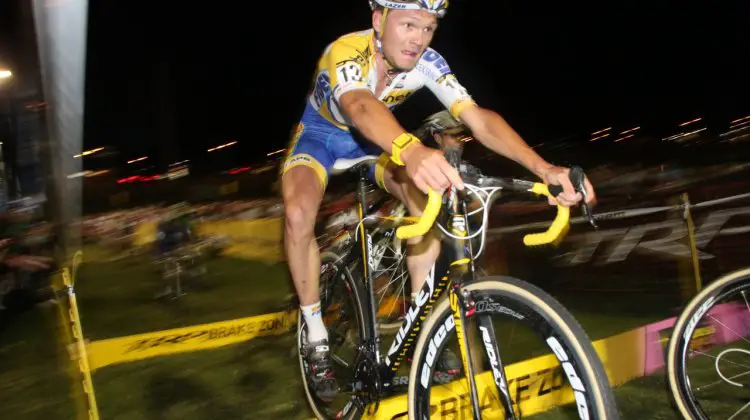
[401,143]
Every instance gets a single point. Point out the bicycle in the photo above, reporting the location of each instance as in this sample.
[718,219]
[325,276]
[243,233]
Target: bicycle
[366,375]
[702,313]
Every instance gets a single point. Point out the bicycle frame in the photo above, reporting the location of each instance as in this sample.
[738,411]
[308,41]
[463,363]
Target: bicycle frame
[453,267]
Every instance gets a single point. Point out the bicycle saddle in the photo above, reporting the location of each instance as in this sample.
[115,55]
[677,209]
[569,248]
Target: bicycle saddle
[342,165]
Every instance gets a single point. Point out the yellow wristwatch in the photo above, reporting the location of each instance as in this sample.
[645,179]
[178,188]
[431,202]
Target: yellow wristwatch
[401,143]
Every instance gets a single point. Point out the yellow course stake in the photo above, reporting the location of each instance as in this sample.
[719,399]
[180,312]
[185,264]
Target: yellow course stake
[75,321]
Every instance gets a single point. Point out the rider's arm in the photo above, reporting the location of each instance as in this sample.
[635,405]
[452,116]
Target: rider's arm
[493,132]
[371,117]
[486,126]
[497,135]
[425,166]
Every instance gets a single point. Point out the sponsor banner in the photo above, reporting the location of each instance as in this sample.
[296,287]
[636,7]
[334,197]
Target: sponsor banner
[198,337]
[614,256]
[535,385]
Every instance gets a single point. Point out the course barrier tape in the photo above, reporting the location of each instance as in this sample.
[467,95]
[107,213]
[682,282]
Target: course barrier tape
[74,323]
[193,338]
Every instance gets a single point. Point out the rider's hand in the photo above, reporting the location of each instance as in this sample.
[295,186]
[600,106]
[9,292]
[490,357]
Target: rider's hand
[427,167]
[557,175]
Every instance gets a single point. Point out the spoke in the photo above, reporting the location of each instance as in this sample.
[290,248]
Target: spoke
[739,411]
[716,357]
[735,332]
[702,387]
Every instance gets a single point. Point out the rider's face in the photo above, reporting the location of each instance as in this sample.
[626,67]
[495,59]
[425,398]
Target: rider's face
[406,35]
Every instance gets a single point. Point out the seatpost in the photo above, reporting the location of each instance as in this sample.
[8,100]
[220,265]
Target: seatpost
[362,188]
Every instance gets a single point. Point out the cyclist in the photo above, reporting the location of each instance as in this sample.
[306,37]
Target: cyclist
[172,233]
[360,77]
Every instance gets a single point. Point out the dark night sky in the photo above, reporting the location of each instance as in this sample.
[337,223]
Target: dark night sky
[193,73]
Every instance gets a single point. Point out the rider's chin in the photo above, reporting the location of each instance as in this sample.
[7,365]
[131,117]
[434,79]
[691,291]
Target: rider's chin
[405,62]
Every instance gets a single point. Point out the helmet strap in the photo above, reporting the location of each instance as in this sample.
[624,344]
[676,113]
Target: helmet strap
[390,69]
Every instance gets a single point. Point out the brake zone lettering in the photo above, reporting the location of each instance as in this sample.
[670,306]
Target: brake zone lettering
[533,392]
[170,339]
[249,329]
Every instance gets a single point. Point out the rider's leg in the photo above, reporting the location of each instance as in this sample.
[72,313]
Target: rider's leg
[302,191]
[423,250]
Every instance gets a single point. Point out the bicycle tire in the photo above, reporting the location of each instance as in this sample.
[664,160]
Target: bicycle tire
[354,413]
[687,321]
[559,322]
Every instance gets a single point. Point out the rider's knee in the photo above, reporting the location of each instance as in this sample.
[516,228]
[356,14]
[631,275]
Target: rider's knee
[298,220]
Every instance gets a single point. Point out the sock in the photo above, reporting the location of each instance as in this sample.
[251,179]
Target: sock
[316,329]
[414,296]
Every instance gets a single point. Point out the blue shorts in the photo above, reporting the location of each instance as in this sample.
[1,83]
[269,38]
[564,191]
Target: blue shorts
[317,143]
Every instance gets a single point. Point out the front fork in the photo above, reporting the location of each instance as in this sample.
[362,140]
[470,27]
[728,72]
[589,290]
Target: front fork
[461,310]
[462,306]
[492,351]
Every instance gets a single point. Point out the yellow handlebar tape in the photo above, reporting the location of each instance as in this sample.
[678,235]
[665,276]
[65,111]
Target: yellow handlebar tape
[401,143]
[429,214]
[557,227]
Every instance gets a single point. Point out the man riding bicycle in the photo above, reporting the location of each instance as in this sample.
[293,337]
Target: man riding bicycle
[360,77]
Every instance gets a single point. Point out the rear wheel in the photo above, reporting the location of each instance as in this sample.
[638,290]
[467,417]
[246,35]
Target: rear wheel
[559,365]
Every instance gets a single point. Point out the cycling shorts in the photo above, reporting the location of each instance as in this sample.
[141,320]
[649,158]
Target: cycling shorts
[317,143]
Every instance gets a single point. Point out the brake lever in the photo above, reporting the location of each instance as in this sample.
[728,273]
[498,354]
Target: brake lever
[577,177]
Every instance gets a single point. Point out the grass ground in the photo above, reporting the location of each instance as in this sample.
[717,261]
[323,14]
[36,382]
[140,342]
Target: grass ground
[255,380]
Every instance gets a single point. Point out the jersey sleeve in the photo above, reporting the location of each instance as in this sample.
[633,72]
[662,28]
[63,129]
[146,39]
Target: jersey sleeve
[441,81]
[346,67]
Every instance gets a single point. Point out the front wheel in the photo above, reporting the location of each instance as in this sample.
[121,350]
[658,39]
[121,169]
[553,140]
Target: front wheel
[528,355]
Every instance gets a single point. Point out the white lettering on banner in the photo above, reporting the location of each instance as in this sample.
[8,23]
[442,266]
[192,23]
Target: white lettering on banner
[671,244]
